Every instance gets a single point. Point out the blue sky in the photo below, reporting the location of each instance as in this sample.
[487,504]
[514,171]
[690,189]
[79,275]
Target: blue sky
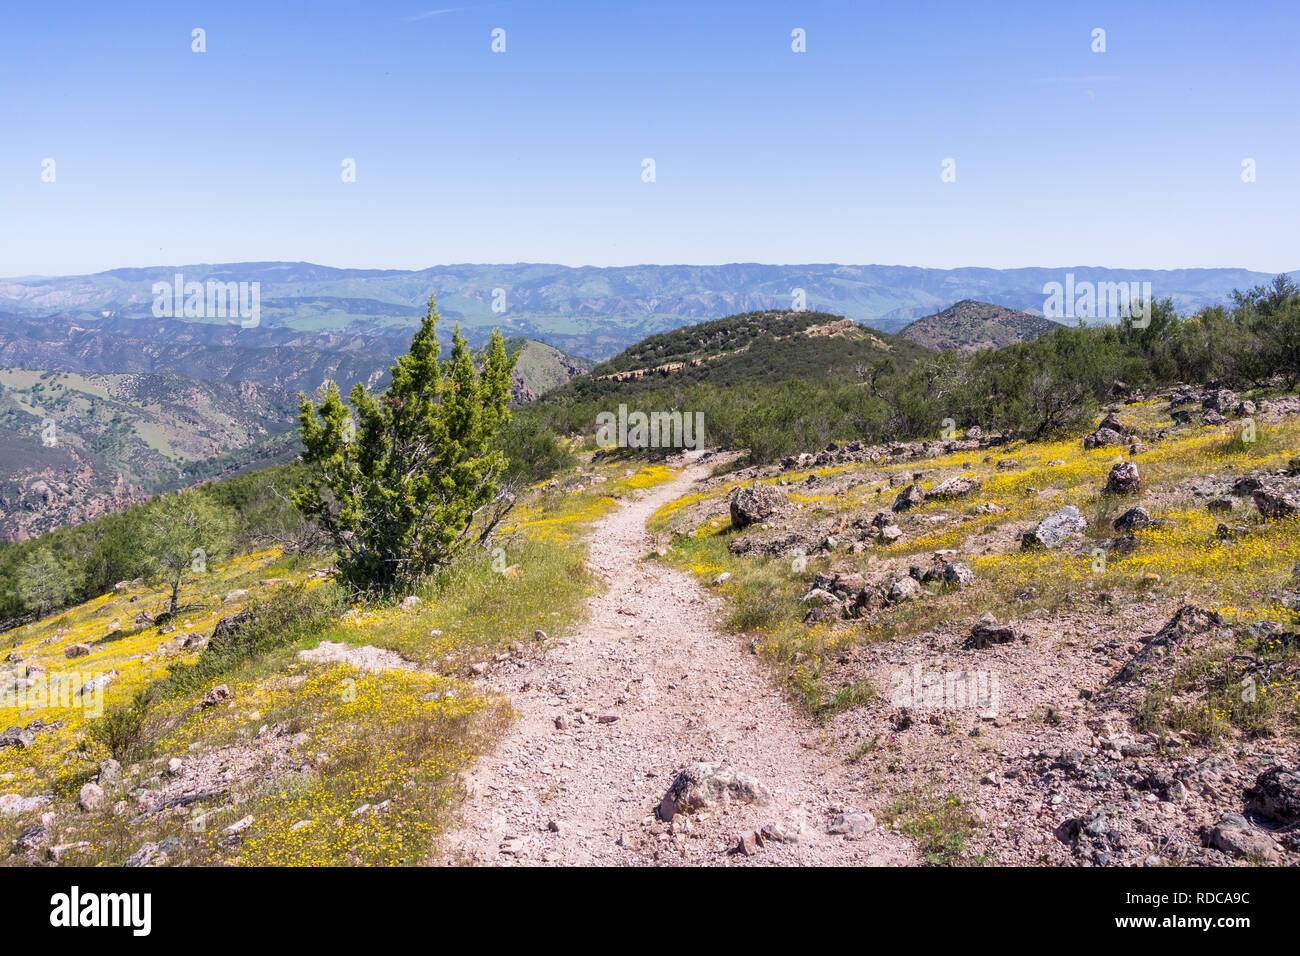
[1127,158]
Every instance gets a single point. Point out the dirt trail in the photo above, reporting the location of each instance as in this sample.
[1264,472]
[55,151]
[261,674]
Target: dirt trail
[649,684]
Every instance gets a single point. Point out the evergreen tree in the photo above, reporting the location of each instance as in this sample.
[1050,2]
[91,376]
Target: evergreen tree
[398,491]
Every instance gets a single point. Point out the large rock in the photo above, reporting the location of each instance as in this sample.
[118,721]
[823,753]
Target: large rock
[704,785]
[13,804]
[1233,834]
[903,589]
[1275,503]
[910,497]
[1219,400]
[1054,530]
[821,605]
[1135,519]
[988,632]
[229,625]
[852,826]
[1103,436]
[20,737]
[1111,431]
[1276,796]
[1123,479]
[1112,423]
[754,504]
[90,797]
[957,575]
[217,695]
[955,487]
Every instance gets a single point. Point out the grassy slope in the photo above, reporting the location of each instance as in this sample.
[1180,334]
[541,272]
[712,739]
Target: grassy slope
[1234,578]
[396,736]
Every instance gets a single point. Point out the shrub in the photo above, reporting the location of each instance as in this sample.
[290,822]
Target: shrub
[399,490]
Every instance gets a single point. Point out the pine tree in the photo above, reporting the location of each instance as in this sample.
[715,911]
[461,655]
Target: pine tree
[399,490]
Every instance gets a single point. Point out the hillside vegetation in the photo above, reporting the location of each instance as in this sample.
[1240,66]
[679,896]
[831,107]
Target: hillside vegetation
[1101,523]
[969,325]
[590,310]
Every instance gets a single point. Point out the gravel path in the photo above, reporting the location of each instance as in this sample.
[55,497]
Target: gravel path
[647,685]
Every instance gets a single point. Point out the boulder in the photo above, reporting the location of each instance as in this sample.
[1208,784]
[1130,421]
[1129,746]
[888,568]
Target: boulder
[1055,529]
[215,696]
[1112,423]
[20,737]
[820,598]
[1219,400]
[1123,479]
[988,632]
[957,576]
[1275,503]
[903,589]
[1103,436]
[1135,519]
[229,625]
[1124,544]
[90,797]
[1233,834]
[852,826]
[1246,485]
[13,804]
[1227,532]
[754,504]
[1276,796]
[704,785]
[955,487]
[910,497]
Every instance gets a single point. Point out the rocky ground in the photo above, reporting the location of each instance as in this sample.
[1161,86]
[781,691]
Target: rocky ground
[648,736]
[1040,722]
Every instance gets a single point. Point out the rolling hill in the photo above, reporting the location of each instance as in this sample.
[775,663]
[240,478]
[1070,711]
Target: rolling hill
[969,325]
[95,419]
[588,310]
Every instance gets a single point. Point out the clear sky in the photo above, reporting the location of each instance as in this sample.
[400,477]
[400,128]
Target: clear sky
[1063,156]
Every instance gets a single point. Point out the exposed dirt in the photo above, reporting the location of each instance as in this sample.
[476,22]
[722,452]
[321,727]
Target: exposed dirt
[647,686]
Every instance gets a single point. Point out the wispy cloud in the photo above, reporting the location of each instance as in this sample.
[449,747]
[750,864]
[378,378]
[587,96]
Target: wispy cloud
[1079,80]
[437,13]
[434,13]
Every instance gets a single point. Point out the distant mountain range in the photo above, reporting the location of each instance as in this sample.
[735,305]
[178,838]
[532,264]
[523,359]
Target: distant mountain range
[969,325]
[588,310]
[96,416]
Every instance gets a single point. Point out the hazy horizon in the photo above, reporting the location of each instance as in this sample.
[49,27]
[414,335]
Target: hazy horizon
[651,265]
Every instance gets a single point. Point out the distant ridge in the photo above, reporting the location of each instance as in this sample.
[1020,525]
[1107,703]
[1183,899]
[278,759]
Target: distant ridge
[589,310]
[970,324]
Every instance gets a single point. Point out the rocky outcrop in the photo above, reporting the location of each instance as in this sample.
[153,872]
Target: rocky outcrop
[1055,530]
[755,504]
[704,785]
[1123,479]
